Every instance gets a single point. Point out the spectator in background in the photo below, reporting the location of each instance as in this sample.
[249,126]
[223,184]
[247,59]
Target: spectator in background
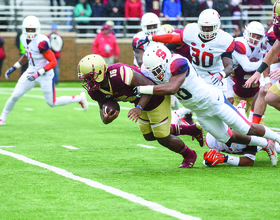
[172,9]
[2,54]
[105,44]
[251,4]
[70,3]
[153,6]
[115,9]
[237,32]
[111,25]
[56,42]
[190,8]
[98,10]
[224,9]
[206,4]
[133,9]
[58,4]
[83,10]
[21,50]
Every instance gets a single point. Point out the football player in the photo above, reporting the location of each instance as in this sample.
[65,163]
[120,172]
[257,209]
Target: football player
[247,56]
[273,96]
[40,70]
[116,82]
[211,48]
[175,75]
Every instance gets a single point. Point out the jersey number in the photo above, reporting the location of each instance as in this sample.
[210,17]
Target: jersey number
[183,94]
[206,58]
[32,61]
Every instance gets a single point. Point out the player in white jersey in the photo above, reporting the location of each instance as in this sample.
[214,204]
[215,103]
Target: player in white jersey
[175,75]
[214,155]
[40,70]
[150,25]
[247,57]
[210,47]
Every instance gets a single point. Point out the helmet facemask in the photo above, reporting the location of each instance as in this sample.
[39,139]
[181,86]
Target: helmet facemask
[31,27]
[254,34]
[158,72]
[209,18]
[92,69]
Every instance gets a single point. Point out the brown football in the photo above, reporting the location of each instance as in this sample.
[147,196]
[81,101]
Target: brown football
[111,104]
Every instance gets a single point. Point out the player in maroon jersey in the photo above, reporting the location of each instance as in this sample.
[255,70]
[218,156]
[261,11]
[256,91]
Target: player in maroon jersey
[116,82]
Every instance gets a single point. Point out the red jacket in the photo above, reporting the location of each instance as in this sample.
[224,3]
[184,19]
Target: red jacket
[105,46]
[2,50]
[133,9]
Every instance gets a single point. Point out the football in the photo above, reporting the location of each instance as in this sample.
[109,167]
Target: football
[111,104]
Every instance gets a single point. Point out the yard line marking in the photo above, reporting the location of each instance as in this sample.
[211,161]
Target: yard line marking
[29,109]
[42,97]
[131,197]
[7,146]
[70,147]
[142,145]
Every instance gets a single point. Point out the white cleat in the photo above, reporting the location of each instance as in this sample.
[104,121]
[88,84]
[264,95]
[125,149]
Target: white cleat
[271,151]
[2,122]
[84,102]
[175,118]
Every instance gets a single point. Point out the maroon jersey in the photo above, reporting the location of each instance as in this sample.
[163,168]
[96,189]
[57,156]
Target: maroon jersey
[239,78]
[120,76]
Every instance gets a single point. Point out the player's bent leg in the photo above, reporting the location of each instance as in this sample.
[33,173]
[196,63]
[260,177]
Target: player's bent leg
[149,137]
[273,100]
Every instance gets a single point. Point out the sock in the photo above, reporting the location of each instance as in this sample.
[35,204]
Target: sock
[185,151]
[4,115]
[269,134]
[184,129]
[234,161]
[250,118]
[256,118]
[258,141]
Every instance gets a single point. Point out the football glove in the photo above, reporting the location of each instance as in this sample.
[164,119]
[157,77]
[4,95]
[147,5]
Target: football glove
[217,78]
[141,42]
[136,91]
[9,72]
[33,76]
[213,157]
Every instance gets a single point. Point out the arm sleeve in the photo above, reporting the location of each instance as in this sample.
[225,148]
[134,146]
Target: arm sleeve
[246,64]
[168,39]
[49,55]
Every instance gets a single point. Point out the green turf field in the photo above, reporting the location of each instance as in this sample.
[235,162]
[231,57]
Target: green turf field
[63,163]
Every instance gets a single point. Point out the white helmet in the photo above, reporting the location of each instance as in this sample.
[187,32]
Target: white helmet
[254,27]
[150,19]
[155,60]
[209,18]
[31,22]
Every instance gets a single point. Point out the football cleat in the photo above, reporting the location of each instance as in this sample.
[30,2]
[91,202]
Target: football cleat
[242,104]
[175,118]
[271,151]
[2,122]
[277,147]
[84,102]
[189,161]
[199,136]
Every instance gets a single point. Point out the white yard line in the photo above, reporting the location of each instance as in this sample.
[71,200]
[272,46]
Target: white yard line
[133,198]
[146,146]
[70,147]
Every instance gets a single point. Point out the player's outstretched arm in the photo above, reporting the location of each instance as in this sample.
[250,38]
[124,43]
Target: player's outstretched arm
[23,60]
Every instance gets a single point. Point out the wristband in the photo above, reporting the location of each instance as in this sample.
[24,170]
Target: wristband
[41,71]
[17,65]
[262,67]
[267,80]
[146,89]
[150,37]
[139,106]
[223,74]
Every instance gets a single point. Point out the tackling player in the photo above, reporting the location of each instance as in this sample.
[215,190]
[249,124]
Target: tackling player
[175,75]
[40,70]
[116,82]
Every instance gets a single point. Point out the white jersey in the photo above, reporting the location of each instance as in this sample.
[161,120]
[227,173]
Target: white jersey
[34,51]
[206,55]
[194,93]
[214,113]
[142,36]
[243,55]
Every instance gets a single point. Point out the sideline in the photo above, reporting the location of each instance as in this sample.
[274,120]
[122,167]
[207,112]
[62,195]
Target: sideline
[133,198]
